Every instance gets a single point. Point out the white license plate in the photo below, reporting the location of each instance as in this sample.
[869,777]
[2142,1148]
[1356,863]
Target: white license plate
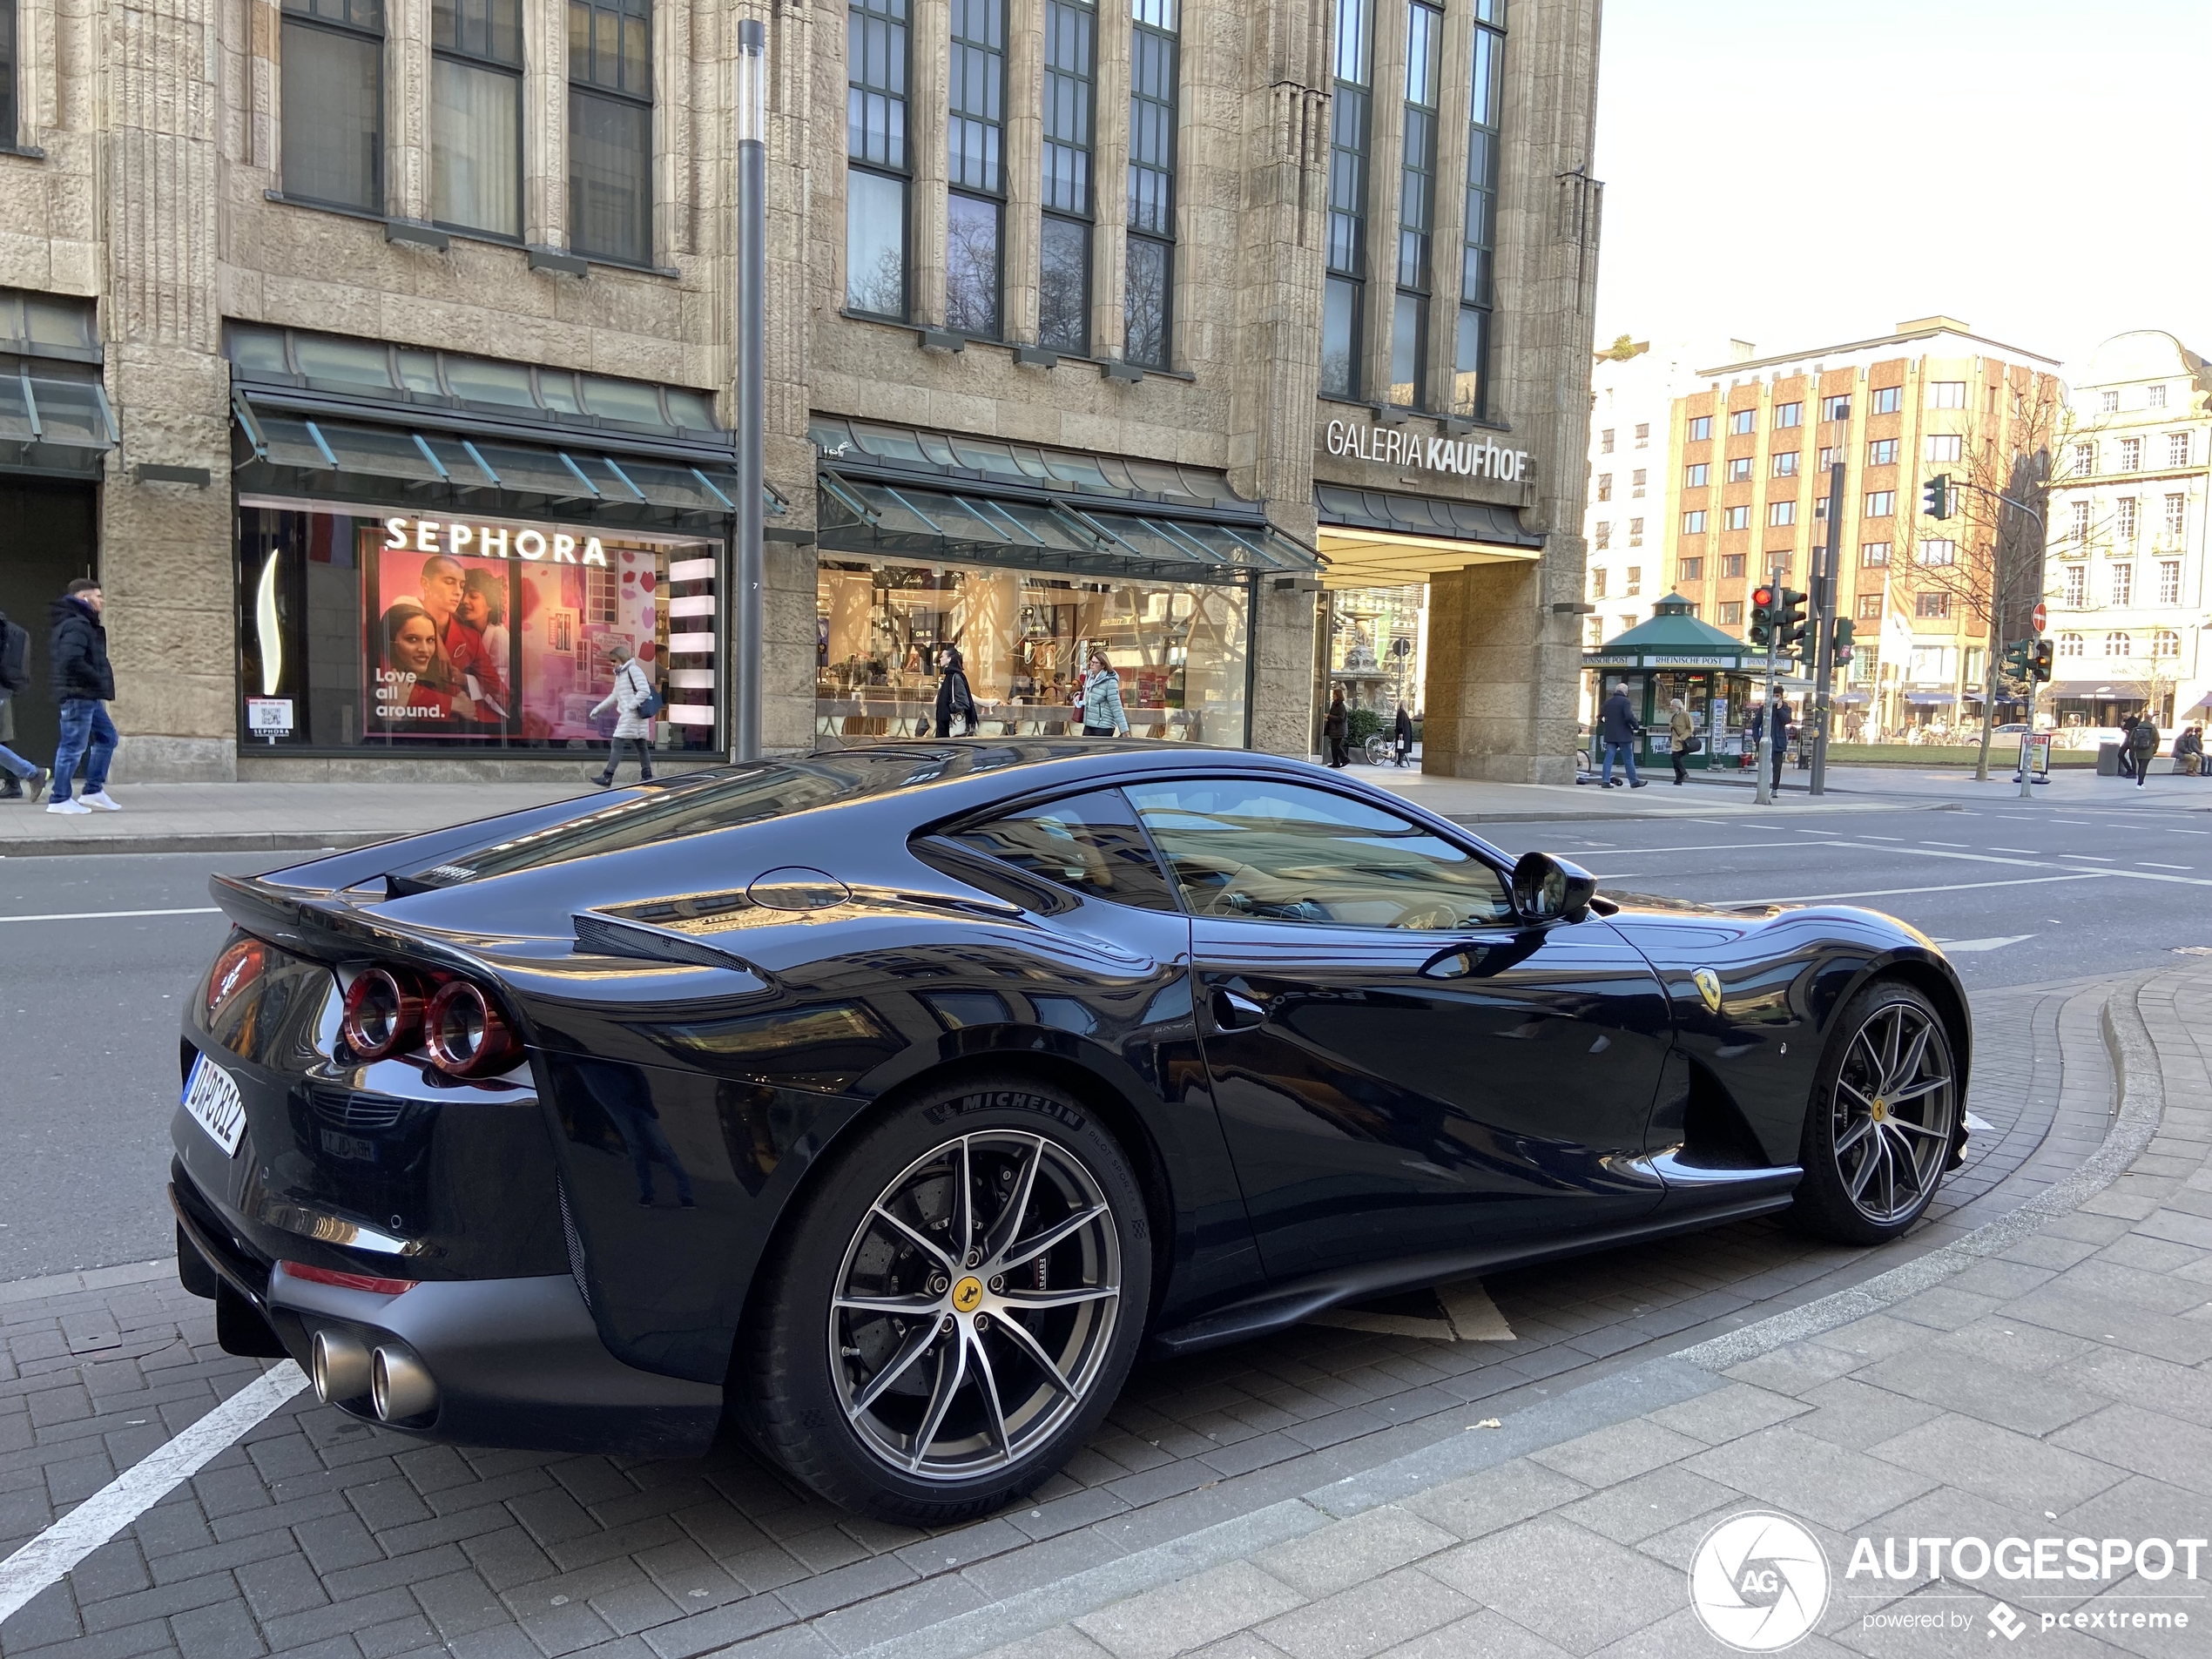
[212,1097]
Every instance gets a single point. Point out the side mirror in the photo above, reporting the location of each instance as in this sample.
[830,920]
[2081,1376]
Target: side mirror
[1546,889]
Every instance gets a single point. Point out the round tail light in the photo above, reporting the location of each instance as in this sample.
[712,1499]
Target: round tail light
[383,1015]
[467,1037]
[238,965]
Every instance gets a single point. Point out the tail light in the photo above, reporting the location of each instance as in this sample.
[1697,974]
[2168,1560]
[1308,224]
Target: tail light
[383,1014]
[466,1037]
[238,965]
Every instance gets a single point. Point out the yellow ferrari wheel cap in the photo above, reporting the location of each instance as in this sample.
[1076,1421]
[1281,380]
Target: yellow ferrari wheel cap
[967,1294]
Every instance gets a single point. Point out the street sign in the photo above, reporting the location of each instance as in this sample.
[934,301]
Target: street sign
[2042,616]
[2035,755]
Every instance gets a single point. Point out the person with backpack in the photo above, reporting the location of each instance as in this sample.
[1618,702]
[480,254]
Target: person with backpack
[15,676]
[955,701]
[2142,747]
[83,686]
[635,703]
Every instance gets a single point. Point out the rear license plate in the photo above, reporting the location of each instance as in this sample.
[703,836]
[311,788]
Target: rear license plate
[212,1097]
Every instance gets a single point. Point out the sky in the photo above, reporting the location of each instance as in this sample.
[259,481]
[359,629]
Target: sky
[1802,173]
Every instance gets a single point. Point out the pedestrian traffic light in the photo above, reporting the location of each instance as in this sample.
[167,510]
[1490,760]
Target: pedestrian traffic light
[2041,663]
[1936,498]
[1840,639]
[2020,658]
[1788,618]
[1761,629]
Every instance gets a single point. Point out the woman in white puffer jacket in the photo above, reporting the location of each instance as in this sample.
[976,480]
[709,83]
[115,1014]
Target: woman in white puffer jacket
[631,689]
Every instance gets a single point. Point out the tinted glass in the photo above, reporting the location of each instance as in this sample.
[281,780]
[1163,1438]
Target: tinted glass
[1091,843]
[1260,850]
[333,126]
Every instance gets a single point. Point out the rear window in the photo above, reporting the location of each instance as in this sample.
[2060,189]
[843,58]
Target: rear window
[1089,843]
[721,801]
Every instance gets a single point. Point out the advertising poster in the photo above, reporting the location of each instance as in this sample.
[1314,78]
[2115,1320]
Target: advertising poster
[437,650]
[568,615]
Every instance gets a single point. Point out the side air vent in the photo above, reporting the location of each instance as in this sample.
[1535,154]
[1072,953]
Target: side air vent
[576,1244]
[605,936]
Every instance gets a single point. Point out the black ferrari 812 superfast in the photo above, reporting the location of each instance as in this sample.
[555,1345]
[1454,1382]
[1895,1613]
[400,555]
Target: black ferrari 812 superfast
[894,1100]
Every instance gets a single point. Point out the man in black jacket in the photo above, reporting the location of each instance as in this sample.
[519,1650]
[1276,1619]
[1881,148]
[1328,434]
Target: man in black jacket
[83,685]
[1616,728]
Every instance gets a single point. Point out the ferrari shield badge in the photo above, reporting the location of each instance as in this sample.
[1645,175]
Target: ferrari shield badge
[1708,986]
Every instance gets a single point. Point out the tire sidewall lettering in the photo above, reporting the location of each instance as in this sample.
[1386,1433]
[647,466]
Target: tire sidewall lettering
[1005,1100]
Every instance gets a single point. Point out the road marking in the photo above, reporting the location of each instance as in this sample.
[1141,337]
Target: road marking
[1943,844]
[1881,838]
[46,1559]
[102,916]
[1957,946]
[2147,865]
[2031,851]
[1891,893]
[2093,858]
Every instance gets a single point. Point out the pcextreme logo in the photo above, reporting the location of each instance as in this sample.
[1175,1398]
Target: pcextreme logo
[1759,1582]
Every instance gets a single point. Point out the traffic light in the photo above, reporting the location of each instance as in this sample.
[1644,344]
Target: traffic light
[1761,629]
[1840,640]
[2040,664]
[2020,658]
[1936,497]
[1788,608]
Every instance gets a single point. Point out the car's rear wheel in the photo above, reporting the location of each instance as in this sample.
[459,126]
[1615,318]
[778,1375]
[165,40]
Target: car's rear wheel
[954,1306]
[1882,1120]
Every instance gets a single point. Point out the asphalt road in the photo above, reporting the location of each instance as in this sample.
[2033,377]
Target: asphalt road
[2021,896]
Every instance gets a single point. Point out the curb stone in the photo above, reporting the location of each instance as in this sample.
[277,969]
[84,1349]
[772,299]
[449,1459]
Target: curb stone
[2139,1104]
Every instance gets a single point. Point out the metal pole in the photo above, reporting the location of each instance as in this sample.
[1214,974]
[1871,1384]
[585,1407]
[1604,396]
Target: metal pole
[1763,785]
[2027,743]
[1824,612]
[753,280]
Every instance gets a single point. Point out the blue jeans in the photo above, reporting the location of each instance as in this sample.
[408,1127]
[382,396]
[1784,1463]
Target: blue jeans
[15,766]
[1627,754]
[85,730]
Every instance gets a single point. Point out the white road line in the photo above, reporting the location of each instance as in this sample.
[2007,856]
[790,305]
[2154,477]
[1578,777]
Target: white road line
[1957,947]
[2093,858]
[1944,844]
[102,916]
[1881,838]
[2031,851]
[2147,865]
[1891,893]
[48,1557]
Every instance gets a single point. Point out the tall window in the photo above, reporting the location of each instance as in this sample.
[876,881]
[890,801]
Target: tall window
[1341,329]
[2165,643]
[2118,645]
[2177,447]
[2123,584]
[1070,70]
[1416,205]
[2169,582]
[1888,398]
[2071,645]
[1154,70]
[975,210]
[2177,515]
[476,116]
[2154,397]
[9,134]
[2124,520]
[876,160]
[1701,427]
[2077,587]
[1873,553]
[333,98]
[1471,363]
[2078,526]
[2085,459]
[2131,454]
[610,129]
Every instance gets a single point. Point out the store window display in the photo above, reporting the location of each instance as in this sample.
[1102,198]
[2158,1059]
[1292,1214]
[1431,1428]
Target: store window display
[1178,649]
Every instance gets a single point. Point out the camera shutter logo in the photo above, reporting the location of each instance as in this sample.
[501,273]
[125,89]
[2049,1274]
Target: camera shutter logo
[1759,1582]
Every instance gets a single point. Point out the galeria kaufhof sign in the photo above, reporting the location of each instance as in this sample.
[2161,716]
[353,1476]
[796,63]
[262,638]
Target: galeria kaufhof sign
[1395,447]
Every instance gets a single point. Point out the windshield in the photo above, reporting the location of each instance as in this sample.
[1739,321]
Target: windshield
[719,801]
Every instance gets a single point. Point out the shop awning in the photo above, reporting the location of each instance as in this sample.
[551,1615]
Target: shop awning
[2106,690]
[1377,538]
[1674,637]
[906,521]
[55,420]
[1932,699]
[280,448]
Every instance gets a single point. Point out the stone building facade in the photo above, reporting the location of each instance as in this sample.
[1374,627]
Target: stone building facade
[360,299]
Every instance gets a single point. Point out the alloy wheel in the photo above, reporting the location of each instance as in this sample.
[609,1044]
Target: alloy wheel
[1894,1112]
[975,1304]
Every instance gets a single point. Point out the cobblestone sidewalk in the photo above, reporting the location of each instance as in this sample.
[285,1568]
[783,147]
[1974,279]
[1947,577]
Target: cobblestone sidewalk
[2044,1376]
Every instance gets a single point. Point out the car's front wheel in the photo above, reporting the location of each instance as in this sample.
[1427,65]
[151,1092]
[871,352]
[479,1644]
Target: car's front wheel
[1882,1120]
[953,1307]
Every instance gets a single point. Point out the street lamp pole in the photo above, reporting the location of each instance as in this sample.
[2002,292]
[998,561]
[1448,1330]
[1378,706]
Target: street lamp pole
[748,679]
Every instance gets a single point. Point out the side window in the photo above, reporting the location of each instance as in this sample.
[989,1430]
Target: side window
[1091,843]
[1260,850]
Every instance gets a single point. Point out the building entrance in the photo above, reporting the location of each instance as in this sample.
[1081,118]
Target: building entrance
[53,537]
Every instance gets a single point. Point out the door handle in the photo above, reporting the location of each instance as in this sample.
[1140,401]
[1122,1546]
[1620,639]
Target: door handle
[1233,1011]
[1456,963]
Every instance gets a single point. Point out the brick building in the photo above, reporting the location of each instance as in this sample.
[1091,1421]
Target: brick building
[376,355]
[1749,454]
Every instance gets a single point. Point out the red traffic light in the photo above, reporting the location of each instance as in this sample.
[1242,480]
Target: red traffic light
[1763,597]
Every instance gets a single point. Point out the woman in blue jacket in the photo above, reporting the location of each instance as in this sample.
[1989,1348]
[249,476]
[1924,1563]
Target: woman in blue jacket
[1100,700]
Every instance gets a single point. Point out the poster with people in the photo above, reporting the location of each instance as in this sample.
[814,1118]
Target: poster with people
[438,653]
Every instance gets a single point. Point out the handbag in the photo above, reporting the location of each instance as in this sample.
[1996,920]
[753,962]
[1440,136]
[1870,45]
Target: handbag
[1691,746]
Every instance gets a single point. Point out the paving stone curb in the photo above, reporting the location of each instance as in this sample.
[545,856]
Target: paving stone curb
[1605,1403]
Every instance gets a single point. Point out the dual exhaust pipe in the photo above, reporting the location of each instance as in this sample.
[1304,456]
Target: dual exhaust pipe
[344,1367]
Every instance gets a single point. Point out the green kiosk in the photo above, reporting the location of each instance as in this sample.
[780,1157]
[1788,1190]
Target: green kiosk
[1675,655]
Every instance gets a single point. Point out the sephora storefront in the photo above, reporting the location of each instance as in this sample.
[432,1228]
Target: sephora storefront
[1028,560]
[436,552]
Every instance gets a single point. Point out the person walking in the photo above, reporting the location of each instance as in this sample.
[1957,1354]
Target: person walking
[1100,700]
[633,726]
[84,684]
[955,702]
[1401,735]
[2127,758]
[1781,734]
[1616,727]
[1680,730]
[2142,745]
[1333,727]
[15,676]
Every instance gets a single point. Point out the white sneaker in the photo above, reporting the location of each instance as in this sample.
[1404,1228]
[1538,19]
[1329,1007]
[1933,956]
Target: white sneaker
[69,807]
[99,798]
